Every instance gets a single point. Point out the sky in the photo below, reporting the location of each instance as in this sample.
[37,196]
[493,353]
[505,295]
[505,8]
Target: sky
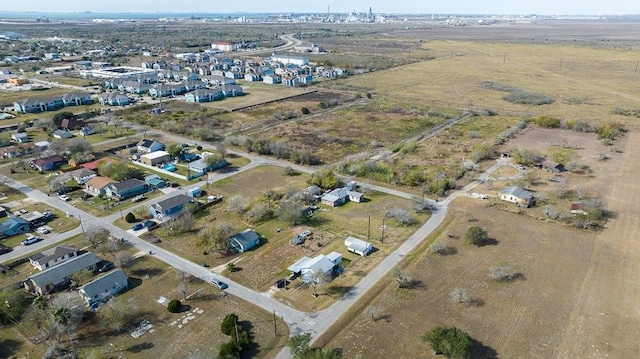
[513,7]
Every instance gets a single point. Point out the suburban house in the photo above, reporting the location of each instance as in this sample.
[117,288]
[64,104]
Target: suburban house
[81,175]
[77,99]
[321,265]
[127,189]
[170,207]
[550,166]
[104,287]
[42,145]
[13,226]
[155,158]
[20,137]
[167,90]
[98,185]
[205,95]
[113,99]
[200,167]
[155,181]
[53,257]
[271,79]
[245,240]
[340,196]
[71,123]
[358,246]
[62,134]
[34,218]
[48,163]
[49,279]
[517,195]
[11,152]
[148,146]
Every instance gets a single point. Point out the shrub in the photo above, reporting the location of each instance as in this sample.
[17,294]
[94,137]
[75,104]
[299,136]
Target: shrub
[130,217]
[305,111]
[476,236]
[529,98]
[546,121]
[174,306]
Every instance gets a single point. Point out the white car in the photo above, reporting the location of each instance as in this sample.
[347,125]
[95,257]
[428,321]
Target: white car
[42,230]
[64,197]
[31,240]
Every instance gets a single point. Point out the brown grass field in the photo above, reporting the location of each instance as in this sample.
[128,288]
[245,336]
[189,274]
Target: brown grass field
[577,296]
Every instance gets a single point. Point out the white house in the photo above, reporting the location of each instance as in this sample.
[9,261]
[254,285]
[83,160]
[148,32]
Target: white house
[322,264]
[52,257]
[20,137]
[104,287]
[358,246]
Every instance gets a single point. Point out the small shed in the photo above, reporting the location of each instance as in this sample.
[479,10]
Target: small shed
[194,192]
[358,246]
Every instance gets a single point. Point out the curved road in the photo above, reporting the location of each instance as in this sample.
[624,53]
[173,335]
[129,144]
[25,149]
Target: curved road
[298,321]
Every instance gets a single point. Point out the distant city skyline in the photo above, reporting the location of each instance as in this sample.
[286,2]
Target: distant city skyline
[506,7]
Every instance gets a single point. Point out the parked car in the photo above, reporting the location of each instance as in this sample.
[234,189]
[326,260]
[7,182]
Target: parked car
[149,224]
[42,230]
[219,284]
[31,240]
[48,215]
[64,197]
[105,267]
[23,211]
[137,227]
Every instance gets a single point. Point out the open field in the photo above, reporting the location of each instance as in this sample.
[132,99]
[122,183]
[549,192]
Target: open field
[588,83]
[256,94]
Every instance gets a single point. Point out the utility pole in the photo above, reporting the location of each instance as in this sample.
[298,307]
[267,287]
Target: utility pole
[275,330]
[81,225]
[369,229]
[235,324]
[382,239]
[637,62]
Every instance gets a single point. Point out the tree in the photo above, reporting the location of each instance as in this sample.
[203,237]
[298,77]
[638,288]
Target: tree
[402,278]
[77,146]
[220,235]
[238,204]
[324,178]
[291,210]
[13,304]
[174,306]
[130,217]
[421,205]
[524,156]
[116,313]
[401,216]
[231,267]
[184,279]
[95,237]
[476,235]
[289,171]
[459,295]
[229,323]
[174,150]
[213,159]
[501,272]
[451,342]
[373,311]
[58,117]
[318,279]
[221,147]
[299,343]
[258,213]
[305,111]
[67,313]
[123,260]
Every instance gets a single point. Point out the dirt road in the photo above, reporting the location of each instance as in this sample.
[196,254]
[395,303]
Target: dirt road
[606,320]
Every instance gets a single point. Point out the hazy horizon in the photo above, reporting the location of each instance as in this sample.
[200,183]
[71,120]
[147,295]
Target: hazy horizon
[493,7]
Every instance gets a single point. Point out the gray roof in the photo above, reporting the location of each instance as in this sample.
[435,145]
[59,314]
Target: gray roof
[298,265]
[32,216]
[246,237]
[357,244]
[53,253]
[518,192]
[174,201]
[81,172]
[57,274]
[130,183]
[104,283]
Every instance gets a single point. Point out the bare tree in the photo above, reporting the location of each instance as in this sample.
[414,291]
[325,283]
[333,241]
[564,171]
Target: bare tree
[184,279]
[238,204]
[123,260]
[373,311]
[117,313]
[317,279]
[96,236]
[460,295]
[401,216]
[561,187]
[402,278]
[501,272]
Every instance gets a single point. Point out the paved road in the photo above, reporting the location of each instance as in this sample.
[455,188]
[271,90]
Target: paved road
[315,322]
